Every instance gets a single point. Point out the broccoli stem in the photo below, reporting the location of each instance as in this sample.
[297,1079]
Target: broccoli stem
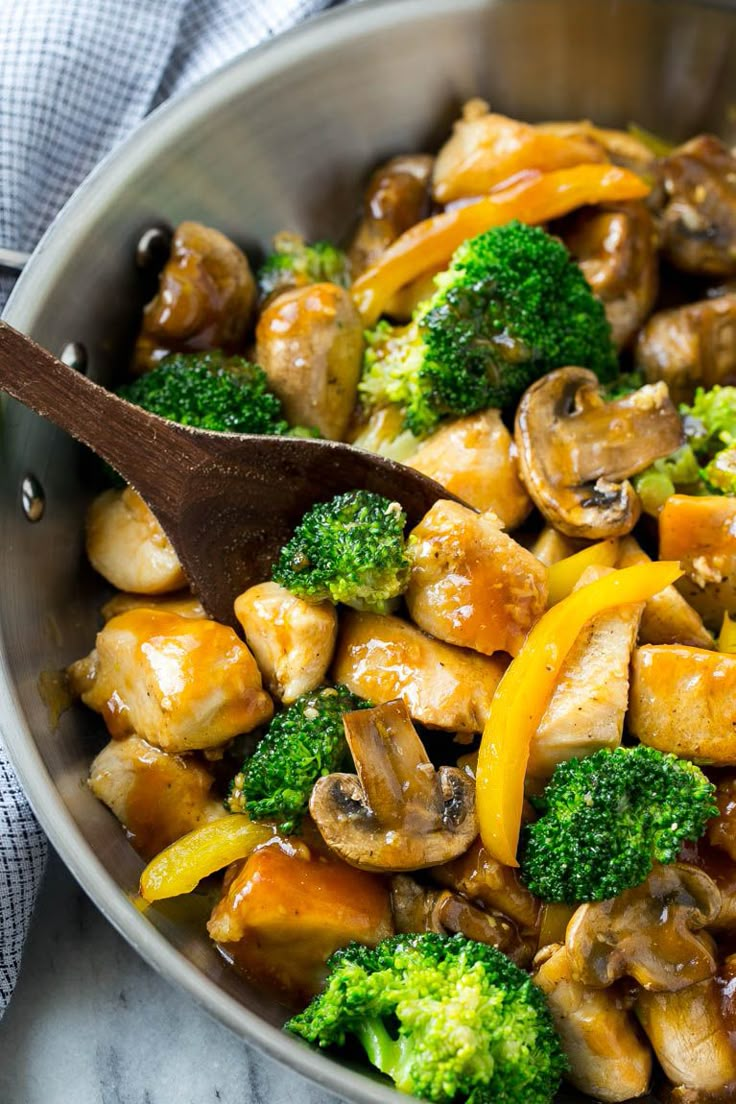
[391,1056]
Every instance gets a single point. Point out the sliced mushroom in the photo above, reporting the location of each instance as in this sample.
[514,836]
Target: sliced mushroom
[396,198]
[691,1036]
[292,640]
[398,813]
[576,450]
[689,347]
[418,908]
[651,933]
[309,342]
[471,584]
[698,207]
[206,298]
[616,247]
[721,869]
[608,1058]
[480,877]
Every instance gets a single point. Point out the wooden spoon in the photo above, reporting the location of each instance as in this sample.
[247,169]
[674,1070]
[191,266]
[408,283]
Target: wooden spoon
[226,501]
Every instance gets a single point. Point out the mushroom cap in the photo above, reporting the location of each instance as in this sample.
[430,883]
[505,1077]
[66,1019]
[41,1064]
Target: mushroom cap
[576,450]
[351,828]
[650,933]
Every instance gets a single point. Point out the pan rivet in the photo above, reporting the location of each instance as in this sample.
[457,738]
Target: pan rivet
[32,498]
[75,355]
[152,250]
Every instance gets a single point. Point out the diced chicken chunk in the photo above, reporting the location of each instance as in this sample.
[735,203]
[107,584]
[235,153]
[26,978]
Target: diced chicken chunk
[382,658]
[690,1035]
[552,546]
[128,547]
[608,1058]
[475,459]
[288,908]
[292,640]
[691,346]
[180,684]
[183,602]
[700,532]
[588,706]
[683,700]
[470,584]
[667,618]
[156,797]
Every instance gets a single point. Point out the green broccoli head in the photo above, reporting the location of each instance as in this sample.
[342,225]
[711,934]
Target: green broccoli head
[512,305]
[720,473]
[350,549]
[710,421]
[607,818]
[209,390]
[679,471]
[295,263]
[301,744]
[443,1016]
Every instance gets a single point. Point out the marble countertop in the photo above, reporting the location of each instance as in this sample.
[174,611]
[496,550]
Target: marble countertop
[91,1023]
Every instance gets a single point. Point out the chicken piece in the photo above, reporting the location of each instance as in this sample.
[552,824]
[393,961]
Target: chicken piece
[700,532]
[481,878]
[691,346]
[396,198]
[608,1058]
[287,909]
[156,797]
[470,584]
[589,703]
[683,700]
[183,602]
[309,342]
[722,829]
[616,247]
[292,640]
[206,298]
[382,658]
[622,146]
[667,618]
[697,216]
[180,684]
[128,547]
[474,458]
[552,546]
[486,149]
[691,1036]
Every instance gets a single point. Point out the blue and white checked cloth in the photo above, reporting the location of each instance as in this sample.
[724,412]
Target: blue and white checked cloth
[75,77]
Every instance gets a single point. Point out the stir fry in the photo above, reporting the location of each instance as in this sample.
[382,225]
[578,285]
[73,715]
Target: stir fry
[467,790]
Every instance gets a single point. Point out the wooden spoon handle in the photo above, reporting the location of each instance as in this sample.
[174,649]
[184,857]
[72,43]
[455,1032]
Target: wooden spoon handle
[137,444]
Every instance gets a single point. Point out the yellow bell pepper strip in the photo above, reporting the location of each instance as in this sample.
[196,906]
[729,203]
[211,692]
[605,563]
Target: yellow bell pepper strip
[563,575]
[727,635]
[182,865]
[525,691]
[536,197]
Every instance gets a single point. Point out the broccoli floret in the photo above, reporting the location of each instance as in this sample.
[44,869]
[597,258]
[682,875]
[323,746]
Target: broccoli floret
[350,549]
[295,263]
[211,391]
[301,744]
[607,818]
[679,471]
[720,473]
[443,1016]
[710,421]
[512,305]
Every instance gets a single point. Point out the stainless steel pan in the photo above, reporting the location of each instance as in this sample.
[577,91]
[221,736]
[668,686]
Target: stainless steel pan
[281,138]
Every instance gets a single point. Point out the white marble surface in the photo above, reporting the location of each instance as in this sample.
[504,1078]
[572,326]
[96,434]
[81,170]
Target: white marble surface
[91,1023]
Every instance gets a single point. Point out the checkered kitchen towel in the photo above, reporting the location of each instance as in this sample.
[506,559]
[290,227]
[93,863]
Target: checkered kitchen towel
[75,77]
